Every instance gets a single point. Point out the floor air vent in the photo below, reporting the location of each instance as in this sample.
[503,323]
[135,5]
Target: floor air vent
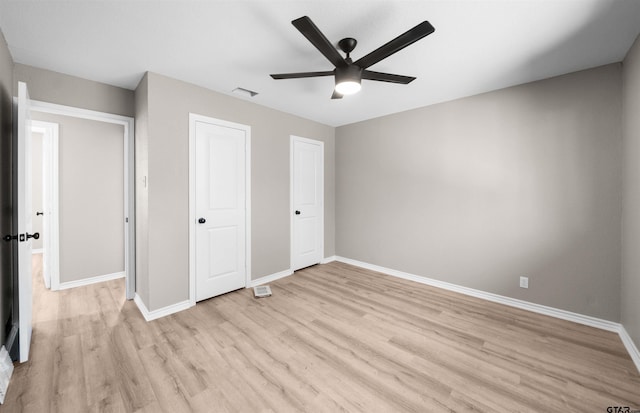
[262,291]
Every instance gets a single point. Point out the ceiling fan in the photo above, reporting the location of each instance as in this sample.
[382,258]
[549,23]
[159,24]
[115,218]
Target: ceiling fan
[348,74]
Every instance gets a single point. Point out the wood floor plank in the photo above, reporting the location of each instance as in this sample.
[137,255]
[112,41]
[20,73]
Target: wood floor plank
[133,382]
[103,394]
[167,387]
[33,379]
[331,338]
[222,376]
[68,393]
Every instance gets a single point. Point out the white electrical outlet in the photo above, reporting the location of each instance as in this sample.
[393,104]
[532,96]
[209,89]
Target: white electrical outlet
[524,282]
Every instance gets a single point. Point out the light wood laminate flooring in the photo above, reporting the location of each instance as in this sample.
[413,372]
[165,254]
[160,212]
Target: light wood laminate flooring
[332,338]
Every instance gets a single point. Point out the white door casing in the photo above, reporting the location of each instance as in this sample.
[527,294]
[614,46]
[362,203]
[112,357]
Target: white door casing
[50,219]
[23,166]
[219,206]
[307,202]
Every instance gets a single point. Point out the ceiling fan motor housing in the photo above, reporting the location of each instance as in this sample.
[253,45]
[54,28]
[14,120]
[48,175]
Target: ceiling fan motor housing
[350,73]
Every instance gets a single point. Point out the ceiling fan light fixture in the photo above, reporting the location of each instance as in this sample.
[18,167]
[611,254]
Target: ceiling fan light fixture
[347,73]
[348,87]
[348,80]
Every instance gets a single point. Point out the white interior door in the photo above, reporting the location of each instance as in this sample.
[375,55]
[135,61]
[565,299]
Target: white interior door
[23,200]
[220,208]
[307,184]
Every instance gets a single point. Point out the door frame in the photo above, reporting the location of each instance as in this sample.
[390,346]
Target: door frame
[292,140]
[129,178]
[50,206]
[193,118]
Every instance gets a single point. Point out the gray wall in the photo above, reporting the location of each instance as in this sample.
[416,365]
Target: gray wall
[36,188]
[524,181]
[53,87]
[91,200]
[6,189]
[168,105]
[630,302]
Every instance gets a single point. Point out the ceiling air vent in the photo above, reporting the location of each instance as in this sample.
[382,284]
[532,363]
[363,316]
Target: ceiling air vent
[244,92]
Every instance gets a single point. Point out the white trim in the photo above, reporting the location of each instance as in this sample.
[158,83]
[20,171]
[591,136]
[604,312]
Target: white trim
[630,346]
[247,201]
[512,302]
[50,206]
[192,212]
[37,251]
[292,139]
[269,278]
[327,260]
[161,312]
[129,178]
[56,109]
[91,280]
[193,118]
[23,220]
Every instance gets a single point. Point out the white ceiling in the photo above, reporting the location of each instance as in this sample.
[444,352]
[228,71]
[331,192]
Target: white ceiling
[478,45]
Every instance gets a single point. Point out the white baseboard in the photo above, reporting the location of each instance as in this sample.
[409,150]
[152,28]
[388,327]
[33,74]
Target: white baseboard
[282,274]
[630,346]
[161,312]
[327,260]
[269,278]
[91,280]
[512,302]
[37,251]
[174,308]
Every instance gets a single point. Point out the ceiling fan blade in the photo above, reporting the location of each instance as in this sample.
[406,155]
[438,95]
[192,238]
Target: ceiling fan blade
[315,36]
[336,95]
[387,77]
[301,75]
[407,38]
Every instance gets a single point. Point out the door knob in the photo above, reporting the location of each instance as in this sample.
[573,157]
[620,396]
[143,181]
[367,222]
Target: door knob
[202,220]
[39,213]
[35,235]
[297,212]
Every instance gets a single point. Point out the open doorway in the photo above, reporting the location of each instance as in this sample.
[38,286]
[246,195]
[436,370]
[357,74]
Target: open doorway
[45,199]
[19,338]
[86,213]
